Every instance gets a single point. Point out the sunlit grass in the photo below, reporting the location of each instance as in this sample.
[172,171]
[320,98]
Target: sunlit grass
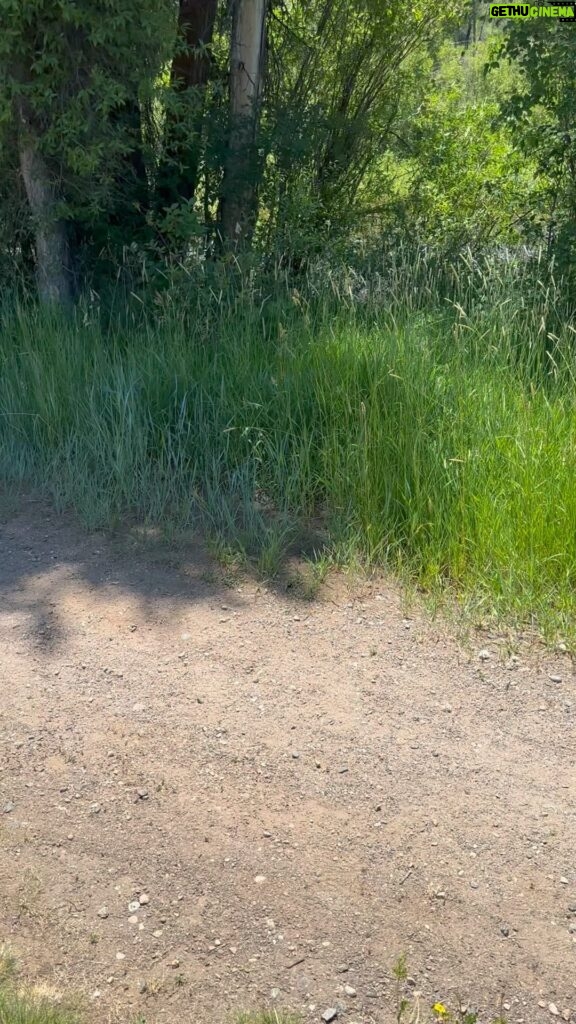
[425,421]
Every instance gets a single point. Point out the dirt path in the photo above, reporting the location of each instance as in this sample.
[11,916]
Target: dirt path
[303,791]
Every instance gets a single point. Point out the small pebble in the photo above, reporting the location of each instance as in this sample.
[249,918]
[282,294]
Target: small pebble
[349,991]
[564,880]
[175,963]
[144,899]
[484,655]
[8,808]
[120,956]
[553,1009]
[259,879]
[555,679]
[275,992]
[133,919]
[103,913]
[329,1015]
[342,969]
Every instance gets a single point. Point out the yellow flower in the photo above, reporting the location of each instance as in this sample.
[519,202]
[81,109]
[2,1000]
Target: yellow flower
[440,1009]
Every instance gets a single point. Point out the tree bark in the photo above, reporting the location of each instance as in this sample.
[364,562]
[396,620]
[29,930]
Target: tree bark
[190,72]
[54,270]
[191,65]
[238,206]
[131,198]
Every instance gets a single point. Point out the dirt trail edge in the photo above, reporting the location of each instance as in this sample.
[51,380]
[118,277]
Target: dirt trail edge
[218,798]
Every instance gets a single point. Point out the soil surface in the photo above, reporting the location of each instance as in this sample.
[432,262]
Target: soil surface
[215,796]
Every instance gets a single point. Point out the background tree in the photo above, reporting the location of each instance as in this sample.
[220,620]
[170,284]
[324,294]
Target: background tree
[70,81]
[185,101]
[299,127]
[542,114]
[338,73]
[239,189]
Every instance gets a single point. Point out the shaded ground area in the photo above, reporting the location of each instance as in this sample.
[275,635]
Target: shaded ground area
[288,795]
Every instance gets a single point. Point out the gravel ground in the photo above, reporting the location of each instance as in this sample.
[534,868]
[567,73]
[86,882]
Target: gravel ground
[214,796]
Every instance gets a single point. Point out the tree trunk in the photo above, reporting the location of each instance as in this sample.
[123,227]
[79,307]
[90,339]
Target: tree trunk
[54,271]
[238,206]
[130,197]
[190,72]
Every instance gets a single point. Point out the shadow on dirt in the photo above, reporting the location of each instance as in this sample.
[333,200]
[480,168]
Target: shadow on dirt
[42,552]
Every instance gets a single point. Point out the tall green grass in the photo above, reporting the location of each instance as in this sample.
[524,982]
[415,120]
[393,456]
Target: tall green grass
[426,417]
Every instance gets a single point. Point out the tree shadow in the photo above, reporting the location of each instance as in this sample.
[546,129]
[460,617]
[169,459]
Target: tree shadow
[47,556]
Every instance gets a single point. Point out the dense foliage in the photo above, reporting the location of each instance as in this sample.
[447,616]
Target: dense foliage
[371,121]
[75,76]
[542,115]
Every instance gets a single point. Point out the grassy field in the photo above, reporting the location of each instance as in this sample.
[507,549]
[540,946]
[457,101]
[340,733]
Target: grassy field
[426,421]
